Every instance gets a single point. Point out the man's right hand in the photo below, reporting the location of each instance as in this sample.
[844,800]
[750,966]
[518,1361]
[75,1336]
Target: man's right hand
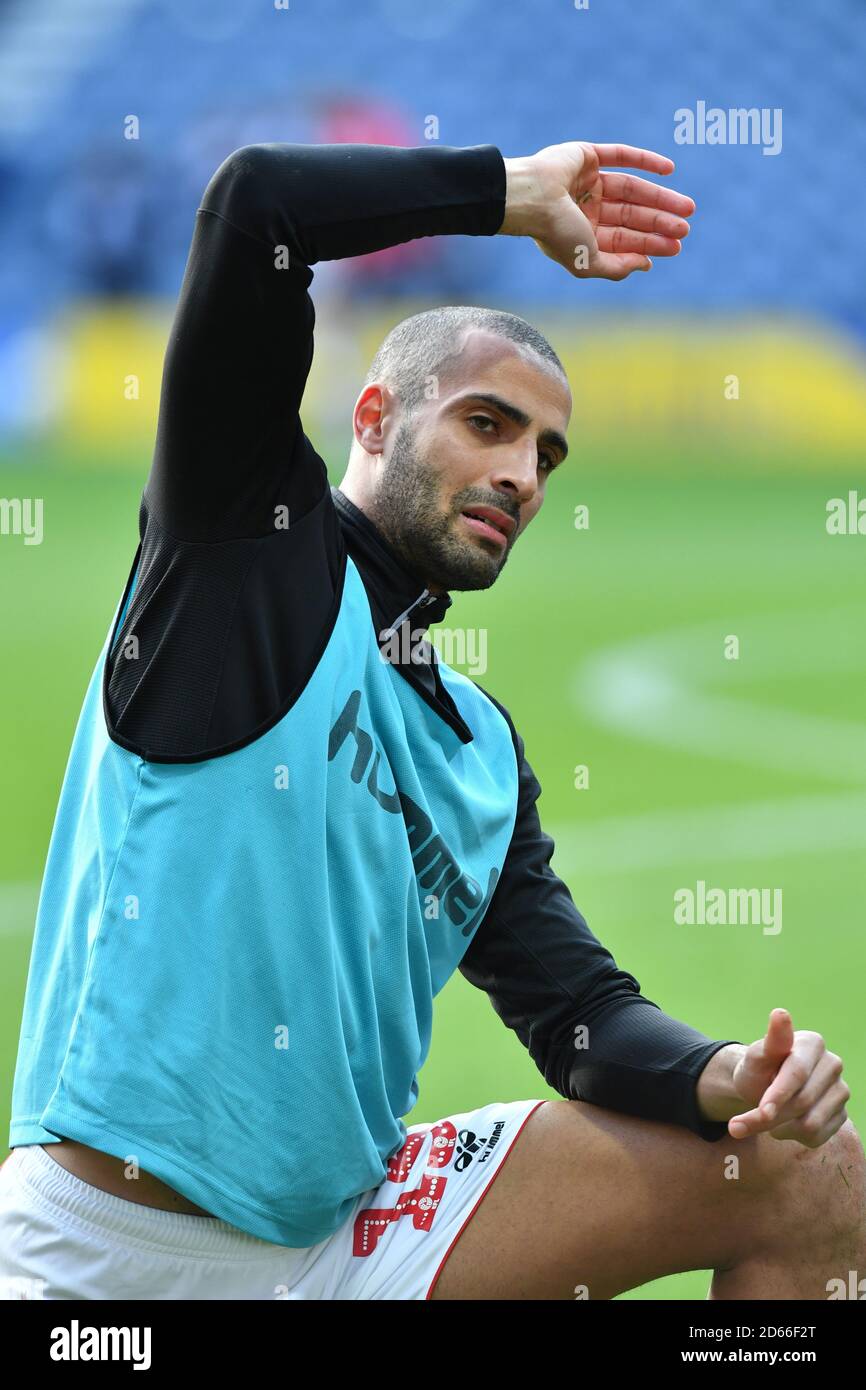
[597,225]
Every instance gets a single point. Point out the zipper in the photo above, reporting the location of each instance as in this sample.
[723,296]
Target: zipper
[443,705]
[423,600]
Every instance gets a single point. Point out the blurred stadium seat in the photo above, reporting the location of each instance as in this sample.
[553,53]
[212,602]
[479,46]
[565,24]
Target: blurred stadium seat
[88,212]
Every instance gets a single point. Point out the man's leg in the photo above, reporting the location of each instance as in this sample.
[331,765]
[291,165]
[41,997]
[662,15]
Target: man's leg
[592,1198]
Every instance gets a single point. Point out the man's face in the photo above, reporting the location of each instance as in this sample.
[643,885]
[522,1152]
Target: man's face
[489,441]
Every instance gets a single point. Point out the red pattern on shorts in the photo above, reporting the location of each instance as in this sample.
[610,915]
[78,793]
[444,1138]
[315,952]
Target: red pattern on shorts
[423,1201]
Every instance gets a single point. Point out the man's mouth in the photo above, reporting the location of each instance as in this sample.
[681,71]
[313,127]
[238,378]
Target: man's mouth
[489,522]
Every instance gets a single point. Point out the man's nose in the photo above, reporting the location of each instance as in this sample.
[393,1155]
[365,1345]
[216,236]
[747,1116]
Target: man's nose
[519,474]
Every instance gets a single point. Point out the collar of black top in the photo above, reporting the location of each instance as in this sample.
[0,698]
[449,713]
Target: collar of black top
[397,594]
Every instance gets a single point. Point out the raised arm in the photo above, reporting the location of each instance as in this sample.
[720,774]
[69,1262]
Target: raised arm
[227,447]
[228,438]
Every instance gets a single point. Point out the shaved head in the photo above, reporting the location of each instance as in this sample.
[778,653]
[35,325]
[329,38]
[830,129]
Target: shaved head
[424,347]
[461,420]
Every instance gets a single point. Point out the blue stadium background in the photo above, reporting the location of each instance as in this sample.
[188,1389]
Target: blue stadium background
[520,76]
[707,506]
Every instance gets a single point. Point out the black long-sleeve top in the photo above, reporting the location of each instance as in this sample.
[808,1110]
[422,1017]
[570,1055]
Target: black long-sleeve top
[230,628]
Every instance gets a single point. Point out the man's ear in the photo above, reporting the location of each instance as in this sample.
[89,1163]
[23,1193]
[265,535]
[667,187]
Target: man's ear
[373,416]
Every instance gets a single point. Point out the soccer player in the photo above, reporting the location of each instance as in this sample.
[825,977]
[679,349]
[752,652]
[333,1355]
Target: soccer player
[285,823]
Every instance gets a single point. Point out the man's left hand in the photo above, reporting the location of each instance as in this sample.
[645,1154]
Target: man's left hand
[794,1084]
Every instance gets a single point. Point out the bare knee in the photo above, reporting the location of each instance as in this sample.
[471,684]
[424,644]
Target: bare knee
[811,1193]
[843,1171]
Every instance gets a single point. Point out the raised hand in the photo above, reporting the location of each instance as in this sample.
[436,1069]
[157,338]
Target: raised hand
[793,1083]
[595,223]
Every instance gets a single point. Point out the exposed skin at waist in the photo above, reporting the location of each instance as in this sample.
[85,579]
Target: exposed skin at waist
[106,1172]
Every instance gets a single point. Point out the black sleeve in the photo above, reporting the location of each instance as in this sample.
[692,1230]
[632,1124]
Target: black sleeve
[547,974]
[238,574]
[229,446]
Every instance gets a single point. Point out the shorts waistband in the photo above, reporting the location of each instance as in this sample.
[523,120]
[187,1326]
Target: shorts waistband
[171,1231]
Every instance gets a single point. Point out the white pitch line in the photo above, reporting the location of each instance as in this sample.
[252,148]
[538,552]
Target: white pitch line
[650,689]
[735,730]
[754,830]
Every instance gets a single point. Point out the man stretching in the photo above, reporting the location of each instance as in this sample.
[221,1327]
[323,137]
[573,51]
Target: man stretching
[283,827]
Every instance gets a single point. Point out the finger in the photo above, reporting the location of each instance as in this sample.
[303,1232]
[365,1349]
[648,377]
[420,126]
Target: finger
[794,1072]
[620,239]
[812,1128]
[641,219]
[751,1122]
[607,266]
[630,189]
[634,158]
[823,1079]
[780,1034]
[815,1141]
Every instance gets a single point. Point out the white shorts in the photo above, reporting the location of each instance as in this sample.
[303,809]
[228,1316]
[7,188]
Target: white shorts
[62,1238]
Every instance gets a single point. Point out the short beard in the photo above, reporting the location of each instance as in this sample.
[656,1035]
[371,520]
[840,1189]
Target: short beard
[407,510]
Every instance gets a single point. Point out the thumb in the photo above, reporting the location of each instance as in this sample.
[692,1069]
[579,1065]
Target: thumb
[780,1035]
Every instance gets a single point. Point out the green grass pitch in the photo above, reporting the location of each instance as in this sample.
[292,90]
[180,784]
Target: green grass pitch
[607,645]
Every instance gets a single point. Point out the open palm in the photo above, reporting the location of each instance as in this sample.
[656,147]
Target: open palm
[606,224]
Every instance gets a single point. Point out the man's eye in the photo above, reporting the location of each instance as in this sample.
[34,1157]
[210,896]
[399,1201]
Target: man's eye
[480,420]
[548,460]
